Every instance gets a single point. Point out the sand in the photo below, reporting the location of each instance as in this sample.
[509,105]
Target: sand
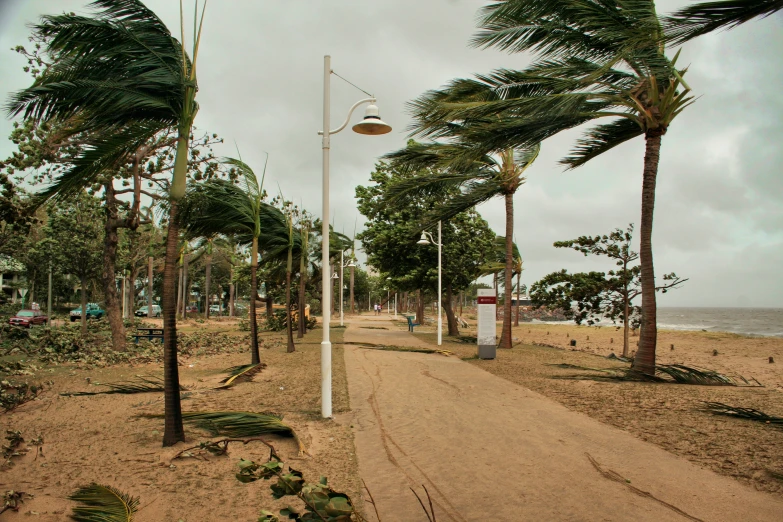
[100,438]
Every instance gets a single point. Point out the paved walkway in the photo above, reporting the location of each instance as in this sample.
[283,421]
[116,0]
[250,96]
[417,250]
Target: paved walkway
[489,450]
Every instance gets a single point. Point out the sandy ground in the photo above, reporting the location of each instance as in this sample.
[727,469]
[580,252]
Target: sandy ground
[488,449]
[100,438]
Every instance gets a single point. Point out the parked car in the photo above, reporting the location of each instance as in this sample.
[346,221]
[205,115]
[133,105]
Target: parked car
[192,309]
[94,311]
[27,318]
[142,312]
[215,309]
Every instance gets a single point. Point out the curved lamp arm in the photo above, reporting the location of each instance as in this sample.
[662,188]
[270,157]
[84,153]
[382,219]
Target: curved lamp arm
[432,239]
[348,119]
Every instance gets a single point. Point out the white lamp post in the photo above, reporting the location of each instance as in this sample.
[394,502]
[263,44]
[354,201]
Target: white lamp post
[370,125]
[425,241]
[342,290]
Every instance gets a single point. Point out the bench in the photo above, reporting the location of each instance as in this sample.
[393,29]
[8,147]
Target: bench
[149,334]
[411,324]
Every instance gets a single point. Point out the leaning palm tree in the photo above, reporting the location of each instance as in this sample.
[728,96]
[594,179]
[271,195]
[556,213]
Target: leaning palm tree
[122,77]
[220,206]
[699,19]
[477,176]
[610,63]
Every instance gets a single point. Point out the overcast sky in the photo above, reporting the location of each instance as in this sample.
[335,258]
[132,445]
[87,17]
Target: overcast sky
[718,214]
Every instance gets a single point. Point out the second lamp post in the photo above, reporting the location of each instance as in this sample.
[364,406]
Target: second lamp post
[426,241]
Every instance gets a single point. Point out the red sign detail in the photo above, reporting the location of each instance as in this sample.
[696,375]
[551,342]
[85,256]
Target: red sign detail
[487,299]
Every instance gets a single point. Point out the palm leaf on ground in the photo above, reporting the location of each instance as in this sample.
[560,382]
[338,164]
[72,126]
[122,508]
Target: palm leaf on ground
[103,504]
[239,374]
[718,408]
[146,385]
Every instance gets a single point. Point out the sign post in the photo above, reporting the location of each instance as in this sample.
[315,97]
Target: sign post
[487,323]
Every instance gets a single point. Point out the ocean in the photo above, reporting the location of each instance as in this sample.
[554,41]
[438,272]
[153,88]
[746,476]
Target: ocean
[765,322]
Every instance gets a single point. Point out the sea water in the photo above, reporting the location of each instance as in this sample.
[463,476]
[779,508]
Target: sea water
[767,322]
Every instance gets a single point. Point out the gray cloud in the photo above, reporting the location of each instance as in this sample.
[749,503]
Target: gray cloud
[718,204]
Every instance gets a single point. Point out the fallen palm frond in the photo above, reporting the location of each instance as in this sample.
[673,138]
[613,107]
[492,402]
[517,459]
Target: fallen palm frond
[718,408]
[12,499]
[691,375]
[145,384]
[103,504]
[239,424]
[677,373]
[242,373]
[393,348]
[374,327]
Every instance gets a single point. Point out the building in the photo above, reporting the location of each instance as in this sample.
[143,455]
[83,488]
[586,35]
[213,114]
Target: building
[11,276]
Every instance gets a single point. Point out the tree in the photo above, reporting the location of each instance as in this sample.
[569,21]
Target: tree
[120,78]
[474,176]
[74,234]
[597,294]
[610,63]
[389,239]
[220,206]
[700,19]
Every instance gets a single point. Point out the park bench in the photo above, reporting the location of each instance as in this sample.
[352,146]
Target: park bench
[411,324]
[148,333]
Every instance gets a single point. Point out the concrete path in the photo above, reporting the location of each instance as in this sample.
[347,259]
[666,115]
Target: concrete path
[489,450]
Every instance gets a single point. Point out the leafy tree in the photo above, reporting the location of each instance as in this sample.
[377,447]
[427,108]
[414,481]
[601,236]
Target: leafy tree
[610,63]
[470,175]
[74,234]
[389,239]
[600,295]
[120,78]
[706,17]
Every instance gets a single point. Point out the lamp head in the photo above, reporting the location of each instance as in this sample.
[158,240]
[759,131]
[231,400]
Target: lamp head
[335,276]
[350,265]
[423,240]
[372,124]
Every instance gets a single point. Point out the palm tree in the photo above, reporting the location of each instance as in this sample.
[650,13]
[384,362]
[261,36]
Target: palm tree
[610,63]
[219,206]
[477,177]
[699,19]
[304,231]
[123,77]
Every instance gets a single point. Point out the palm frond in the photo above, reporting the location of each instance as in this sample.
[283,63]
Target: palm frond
[691,375]
[240,373]
[146,384]
[699,19]
[103,504]
[718,408]
[600,139]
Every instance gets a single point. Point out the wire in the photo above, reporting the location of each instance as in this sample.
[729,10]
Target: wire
[346,81]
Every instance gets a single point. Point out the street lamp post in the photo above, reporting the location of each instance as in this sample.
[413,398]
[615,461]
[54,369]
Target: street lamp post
[426,241]
[371,125]
[342,289]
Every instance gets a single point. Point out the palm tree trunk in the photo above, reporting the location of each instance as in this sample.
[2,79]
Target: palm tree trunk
[150,277]
[288,321]
[644,361]
[173,431]
[419,308]
[351,283]
[185,287]
[179,289]
[255,356]
[516,319]
[448,307]
[84,306]
[505,336]
[302,323]
[625,322]
[111,300]
[207,284]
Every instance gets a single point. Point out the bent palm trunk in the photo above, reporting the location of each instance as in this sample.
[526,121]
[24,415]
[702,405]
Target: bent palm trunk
[255,356]
[83,321]
[207,284]
[173,431]
[288,322]
[644,361]
[505,336]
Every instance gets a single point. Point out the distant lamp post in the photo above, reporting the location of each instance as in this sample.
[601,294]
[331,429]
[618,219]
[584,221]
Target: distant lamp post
[371,125]
[427,239]
[342,284]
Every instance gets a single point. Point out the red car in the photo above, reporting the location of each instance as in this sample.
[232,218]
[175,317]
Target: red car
[27,318]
